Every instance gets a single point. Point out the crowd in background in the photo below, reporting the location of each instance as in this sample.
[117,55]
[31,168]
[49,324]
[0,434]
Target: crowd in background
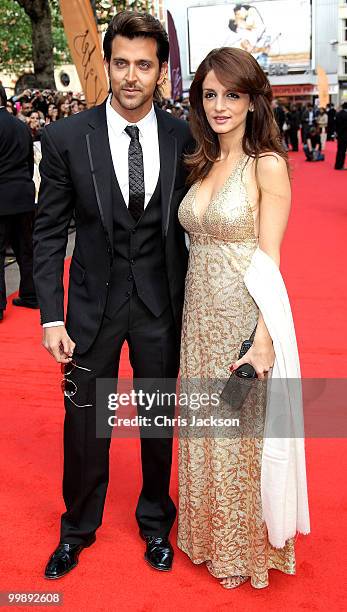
[40,108]
[315,125]
[307,124]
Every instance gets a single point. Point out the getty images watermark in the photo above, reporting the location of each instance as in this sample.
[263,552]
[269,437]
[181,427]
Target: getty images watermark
[148,401]
[167,407]
[287,408]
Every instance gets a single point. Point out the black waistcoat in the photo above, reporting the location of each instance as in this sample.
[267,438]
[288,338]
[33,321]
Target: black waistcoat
[139,256]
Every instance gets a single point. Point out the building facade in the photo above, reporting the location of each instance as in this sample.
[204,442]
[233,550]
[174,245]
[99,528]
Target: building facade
[293,73]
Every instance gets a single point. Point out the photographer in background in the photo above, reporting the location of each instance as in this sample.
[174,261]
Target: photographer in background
[40,102]
[313,146]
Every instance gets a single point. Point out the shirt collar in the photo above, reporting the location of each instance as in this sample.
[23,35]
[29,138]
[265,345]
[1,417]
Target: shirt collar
[118,123]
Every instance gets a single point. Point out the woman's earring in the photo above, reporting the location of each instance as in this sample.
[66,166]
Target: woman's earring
[251,109]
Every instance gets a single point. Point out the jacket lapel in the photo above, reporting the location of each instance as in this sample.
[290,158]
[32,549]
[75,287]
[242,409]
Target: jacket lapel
[101,167]
[102,170]
[168,162]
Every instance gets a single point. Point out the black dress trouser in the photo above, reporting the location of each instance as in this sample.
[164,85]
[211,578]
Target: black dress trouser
[293,137]
[17,230]
[340,154]
[154,353]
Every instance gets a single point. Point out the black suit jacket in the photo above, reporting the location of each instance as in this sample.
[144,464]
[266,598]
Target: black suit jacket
[76,174]
[341,125]
[17,190]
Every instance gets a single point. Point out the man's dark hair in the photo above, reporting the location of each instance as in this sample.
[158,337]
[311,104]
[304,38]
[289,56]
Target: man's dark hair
[232,23]
[3,96]
[132,25]
[344,106]
[238,7]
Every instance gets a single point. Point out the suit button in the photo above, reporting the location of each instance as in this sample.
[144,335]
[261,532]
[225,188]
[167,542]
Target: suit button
[130,277]
[107,284]
[128,294]
[132,261]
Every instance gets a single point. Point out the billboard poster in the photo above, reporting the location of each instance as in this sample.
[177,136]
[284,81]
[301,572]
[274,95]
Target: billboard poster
[276,32]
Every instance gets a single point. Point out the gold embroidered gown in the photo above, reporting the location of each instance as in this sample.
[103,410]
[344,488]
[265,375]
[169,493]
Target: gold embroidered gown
[220,519]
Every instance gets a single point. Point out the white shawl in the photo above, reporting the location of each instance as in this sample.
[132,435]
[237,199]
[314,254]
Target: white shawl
[283,470]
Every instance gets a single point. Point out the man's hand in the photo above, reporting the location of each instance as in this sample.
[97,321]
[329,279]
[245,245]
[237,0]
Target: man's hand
[58,343]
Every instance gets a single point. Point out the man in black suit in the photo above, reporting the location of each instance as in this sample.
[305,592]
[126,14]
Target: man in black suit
[293,119]
[308,121]
[17,202]
[341,133]
[331,112]
[280,115]
[120,168]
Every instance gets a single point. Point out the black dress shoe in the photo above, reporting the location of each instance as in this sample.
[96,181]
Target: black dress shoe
[25,303]
[64,559]
[159,552]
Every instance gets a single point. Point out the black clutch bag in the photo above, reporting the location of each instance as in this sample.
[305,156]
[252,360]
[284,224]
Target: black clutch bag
[239,384]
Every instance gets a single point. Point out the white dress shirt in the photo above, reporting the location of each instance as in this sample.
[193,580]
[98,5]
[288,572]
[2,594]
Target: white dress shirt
[119,145]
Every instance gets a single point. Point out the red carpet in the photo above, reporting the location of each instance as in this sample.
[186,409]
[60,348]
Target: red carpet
[112,575]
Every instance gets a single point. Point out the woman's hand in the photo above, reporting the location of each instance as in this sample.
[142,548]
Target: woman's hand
[261,356]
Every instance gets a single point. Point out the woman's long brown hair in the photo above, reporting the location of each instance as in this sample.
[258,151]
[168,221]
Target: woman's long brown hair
[238,71]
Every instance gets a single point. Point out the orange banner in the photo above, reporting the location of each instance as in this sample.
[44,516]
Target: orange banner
[83,39]
[323,87]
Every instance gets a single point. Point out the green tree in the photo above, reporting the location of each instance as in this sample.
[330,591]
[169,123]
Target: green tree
[32,34]
[39,12]
[105,9]
[16,38]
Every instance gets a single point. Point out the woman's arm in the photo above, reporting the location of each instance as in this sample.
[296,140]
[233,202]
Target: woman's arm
[275,199]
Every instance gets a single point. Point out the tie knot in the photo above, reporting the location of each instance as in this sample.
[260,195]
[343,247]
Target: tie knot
[132,131]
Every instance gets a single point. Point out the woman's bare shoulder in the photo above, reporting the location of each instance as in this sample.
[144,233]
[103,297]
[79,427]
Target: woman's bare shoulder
[271,161]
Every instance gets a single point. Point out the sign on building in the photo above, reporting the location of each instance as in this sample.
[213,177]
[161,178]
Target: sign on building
[276,32]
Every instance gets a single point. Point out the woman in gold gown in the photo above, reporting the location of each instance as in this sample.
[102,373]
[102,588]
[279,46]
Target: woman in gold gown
[239,199]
